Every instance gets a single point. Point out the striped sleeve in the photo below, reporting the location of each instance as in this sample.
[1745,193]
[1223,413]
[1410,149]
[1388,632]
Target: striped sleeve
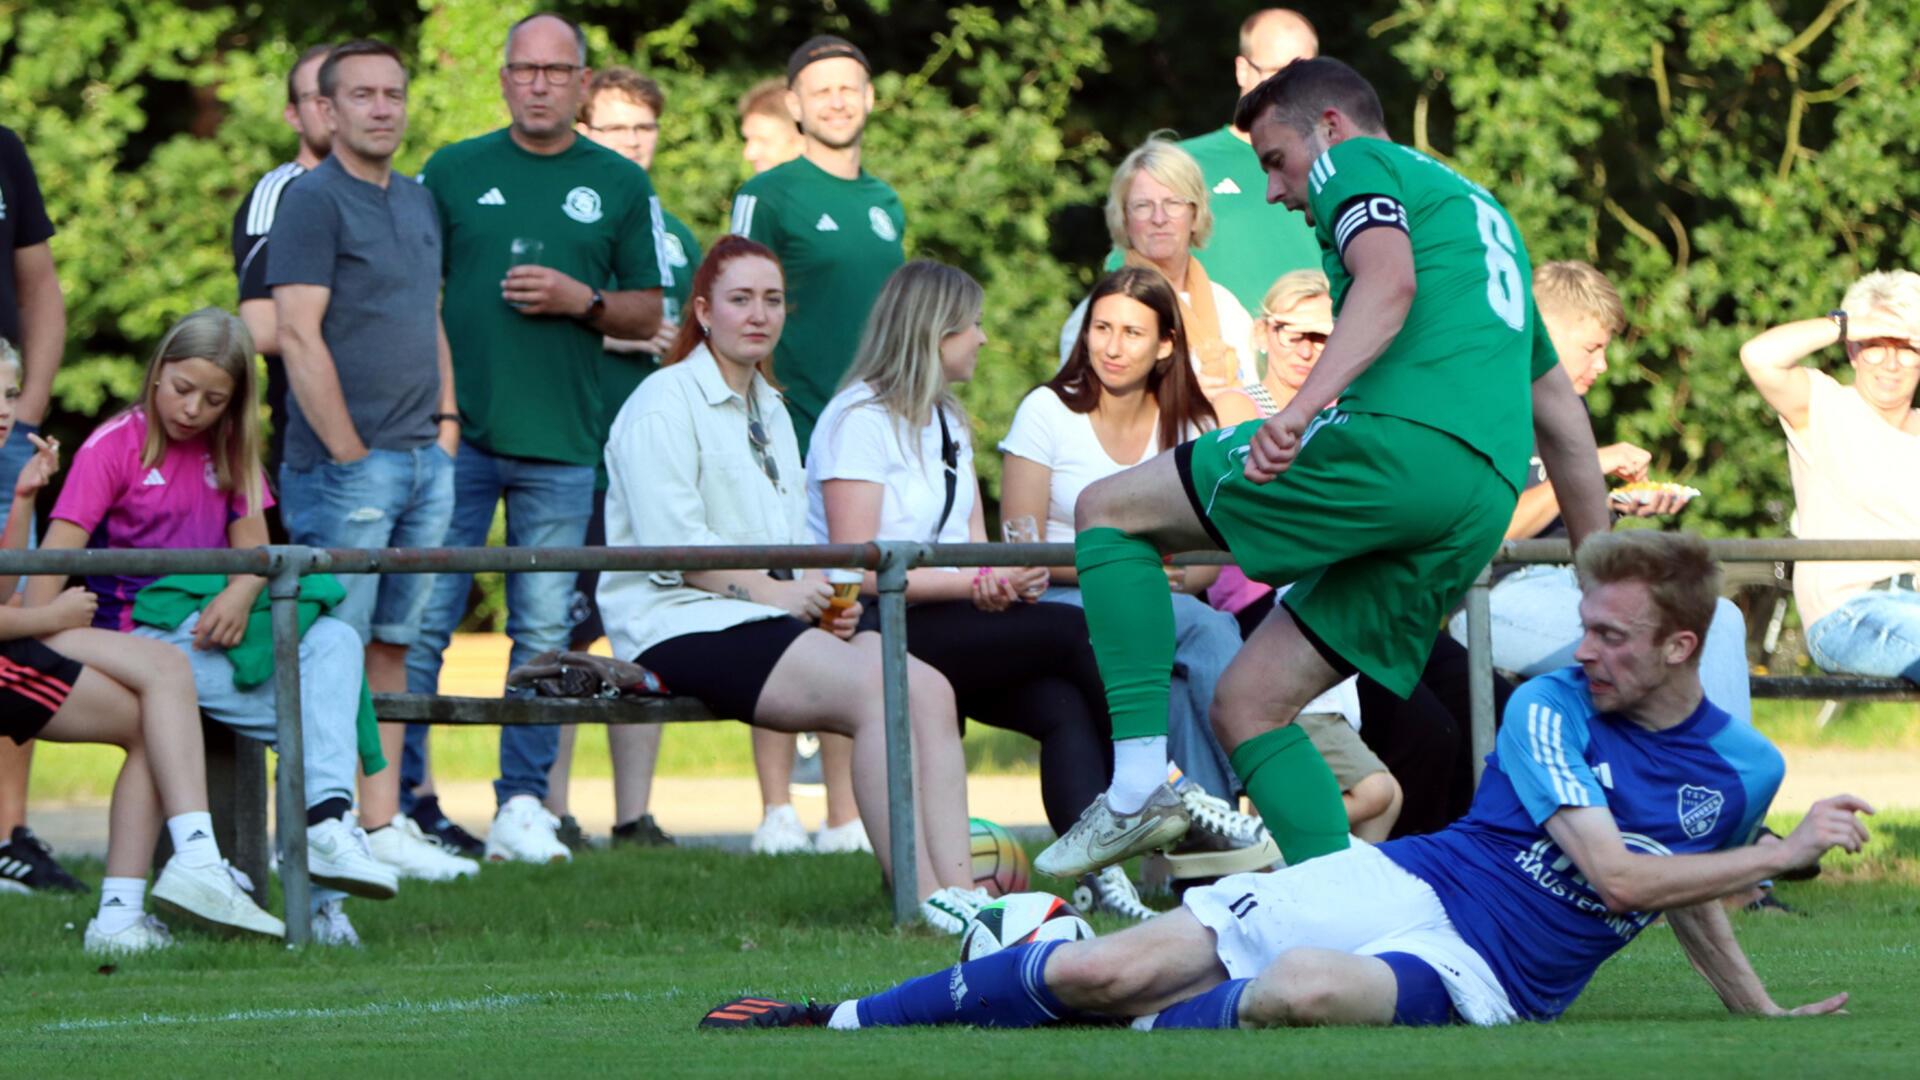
[753,218]
[1543,749]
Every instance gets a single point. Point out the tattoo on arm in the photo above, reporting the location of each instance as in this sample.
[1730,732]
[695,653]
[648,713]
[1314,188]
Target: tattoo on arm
[738,592]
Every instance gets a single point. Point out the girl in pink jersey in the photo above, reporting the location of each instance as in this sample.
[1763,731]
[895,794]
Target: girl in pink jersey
[182,470]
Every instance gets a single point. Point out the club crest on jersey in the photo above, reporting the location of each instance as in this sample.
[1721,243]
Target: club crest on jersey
[882,224]
[1699,809]
[676,251]
[582,204]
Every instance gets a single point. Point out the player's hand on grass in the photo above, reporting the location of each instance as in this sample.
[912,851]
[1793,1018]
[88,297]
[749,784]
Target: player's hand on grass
[39,468]
[1833,1006]
[73,609]
[1832,823]
[1274,446]
[1625,461]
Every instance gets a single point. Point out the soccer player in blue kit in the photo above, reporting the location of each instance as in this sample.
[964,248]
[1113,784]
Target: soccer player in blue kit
[1616,792]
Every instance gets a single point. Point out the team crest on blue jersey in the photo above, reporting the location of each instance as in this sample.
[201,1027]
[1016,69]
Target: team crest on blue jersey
[1699,809]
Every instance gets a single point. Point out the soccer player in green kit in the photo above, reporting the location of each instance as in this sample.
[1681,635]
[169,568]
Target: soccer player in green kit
[835,226]
[1382,510]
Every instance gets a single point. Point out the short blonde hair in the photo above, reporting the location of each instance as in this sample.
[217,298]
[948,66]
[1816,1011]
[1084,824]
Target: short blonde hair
[1677,569]
[1292,287]
[1896,292]
[10,358]
[1572,288]
[1159,158]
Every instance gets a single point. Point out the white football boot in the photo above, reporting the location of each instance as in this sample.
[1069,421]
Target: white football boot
[1102,838]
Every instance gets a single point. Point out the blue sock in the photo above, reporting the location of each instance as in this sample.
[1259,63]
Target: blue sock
[1217,1008]
[1003,990]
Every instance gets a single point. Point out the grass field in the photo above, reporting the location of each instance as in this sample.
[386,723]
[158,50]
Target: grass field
[603,967]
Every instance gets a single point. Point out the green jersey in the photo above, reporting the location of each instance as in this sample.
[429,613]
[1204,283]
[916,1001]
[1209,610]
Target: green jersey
[1254,241]
[529,385]
[1472,343]
[839,241]
[620,373]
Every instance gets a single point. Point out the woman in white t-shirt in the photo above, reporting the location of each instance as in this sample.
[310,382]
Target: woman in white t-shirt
[704,453]
[1127,393]
[891,459]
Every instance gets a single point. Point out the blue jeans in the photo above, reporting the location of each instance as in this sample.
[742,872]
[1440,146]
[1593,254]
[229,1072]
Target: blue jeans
[390,498]
[1536,628]
[1875,633]
[1205,642]
[548,505]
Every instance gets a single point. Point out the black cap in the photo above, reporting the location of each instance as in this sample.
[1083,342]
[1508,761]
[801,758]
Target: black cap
[824,47]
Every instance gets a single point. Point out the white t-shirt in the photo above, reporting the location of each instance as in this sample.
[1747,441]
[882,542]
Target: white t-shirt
[857,439]
[1236,329]
[1048,433]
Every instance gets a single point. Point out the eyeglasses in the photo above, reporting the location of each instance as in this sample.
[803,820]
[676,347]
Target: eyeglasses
[625,131]
[1286,337]
[1885,352]
[557,74]
[1174,209]
[761,446]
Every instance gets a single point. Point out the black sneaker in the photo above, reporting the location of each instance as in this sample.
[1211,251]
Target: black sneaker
[641,832]
[426,814]
[27,866]
[755,1012]
[570,834]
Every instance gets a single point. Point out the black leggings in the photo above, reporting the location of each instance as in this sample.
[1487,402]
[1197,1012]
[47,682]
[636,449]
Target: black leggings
[1028,669]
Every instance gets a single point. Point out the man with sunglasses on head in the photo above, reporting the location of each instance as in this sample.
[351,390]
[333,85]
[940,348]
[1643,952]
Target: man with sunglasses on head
[552,243]
[1853,451]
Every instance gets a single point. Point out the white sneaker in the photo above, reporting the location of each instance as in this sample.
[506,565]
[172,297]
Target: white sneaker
[337,857]
[1112,891]
[147,935]
[841,839]
[950,909]
[211,896]
[780,833]
[1102,838]
[332,927]
[523,831]
[404,848]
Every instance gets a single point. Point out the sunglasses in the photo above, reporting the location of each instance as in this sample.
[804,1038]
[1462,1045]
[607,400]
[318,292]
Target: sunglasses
[761,446]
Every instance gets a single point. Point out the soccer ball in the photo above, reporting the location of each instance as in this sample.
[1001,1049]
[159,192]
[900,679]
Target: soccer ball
[999,862]
[1018,919]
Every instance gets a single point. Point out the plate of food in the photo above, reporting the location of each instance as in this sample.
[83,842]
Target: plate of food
[1641,492]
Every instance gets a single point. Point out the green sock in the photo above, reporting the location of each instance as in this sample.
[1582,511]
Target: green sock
[1294,791]
[1130,616]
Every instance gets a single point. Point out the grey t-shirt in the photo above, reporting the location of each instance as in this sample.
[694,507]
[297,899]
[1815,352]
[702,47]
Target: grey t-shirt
[378,249]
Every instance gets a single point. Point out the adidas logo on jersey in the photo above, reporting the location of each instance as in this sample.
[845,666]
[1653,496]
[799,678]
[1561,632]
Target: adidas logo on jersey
[492,198]
[1226,186]
[827,224]
[154,479]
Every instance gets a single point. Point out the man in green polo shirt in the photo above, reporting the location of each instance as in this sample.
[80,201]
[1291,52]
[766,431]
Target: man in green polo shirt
[835,226]
[551,244]
[1254,241]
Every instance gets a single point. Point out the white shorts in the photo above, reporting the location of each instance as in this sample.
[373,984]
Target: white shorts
[1354,901]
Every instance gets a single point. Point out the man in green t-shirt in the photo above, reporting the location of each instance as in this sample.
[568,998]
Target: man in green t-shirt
[1254,242]
[1380,512]
[835,226]
[551,243]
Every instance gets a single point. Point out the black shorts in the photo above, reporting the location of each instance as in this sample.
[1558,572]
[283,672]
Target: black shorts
[728,668]
[34,683]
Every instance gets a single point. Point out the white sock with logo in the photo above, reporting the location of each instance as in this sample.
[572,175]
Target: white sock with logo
[193,842]
[122,901]
[1139,767]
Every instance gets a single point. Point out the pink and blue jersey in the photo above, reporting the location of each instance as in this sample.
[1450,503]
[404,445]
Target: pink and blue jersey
[1701,786]
[122,503]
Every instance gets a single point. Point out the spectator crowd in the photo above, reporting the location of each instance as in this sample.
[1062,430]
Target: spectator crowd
[527,325]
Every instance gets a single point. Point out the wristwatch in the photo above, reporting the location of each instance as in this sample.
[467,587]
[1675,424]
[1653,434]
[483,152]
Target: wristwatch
[1839,318]
[443,417]
[596,307]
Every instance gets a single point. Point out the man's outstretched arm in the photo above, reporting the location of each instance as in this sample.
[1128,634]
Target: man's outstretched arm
[1564,437]
[1706,934]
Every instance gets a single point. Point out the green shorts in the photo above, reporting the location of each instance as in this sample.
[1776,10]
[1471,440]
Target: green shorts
[1380,524]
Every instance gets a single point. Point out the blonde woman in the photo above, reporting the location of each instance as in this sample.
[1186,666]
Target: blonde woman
[1158,216]
[1295,318]
[891,459]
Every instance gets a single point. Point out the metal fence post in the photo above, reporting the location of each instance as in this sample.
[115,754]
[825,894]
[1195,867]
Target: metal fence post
[1480,669]
[895,559]
[283,590]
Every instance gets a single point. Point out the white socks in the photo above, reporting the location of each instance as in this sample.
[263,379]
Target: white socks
[193,842]
[846,1016]
[1139,767]
[122,901]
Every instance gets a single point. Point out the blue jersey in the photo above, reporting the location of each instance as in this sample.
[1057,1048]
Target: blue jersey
[1515,896]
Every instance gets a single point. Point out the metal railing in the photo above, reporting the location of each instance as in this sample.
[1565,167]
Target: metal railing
[285,565]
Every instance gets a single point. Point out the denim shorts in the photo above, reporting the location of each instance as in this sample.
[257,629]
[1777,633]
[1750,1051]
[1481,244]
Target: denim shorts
[390,498]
